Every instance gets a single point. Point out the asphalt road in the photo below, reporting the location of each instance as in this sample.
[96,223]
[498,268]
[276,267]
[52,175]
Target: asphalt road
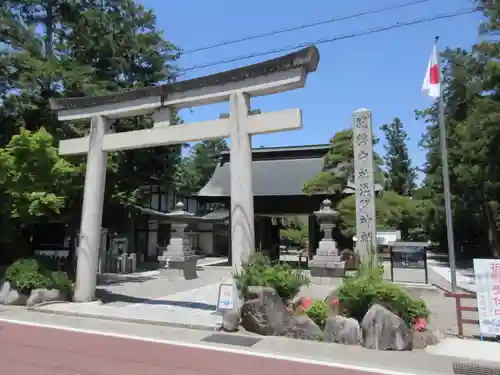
[46,351]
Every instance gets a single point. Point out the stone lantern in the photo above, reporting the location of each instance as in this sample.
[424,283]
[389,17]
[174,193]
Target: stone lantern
[179,258]
[327,262]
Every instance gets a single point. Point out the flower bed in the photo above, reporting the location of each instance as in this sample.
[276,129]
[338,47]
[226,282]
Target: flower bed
[364,310]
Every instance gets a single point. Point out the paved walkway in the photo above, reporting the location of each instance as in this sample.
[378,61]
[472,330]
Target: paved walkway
[465,277]
[186,303]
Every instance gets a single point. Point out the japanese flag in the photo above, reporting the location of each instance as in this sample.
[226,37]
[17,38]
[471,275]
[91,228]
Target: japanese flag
[432,81]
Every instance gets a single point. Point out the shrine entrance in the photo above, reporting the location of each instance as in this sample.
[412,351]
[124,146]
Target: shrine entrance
[237,86]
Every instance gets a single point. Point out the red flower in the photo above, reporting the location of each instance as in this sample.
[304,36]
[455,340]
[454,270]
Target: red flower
[334,301]
[420,324]
[305,303]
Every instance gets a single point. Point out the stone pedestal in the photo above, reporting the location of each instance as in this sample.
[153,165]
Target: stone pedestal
[179,259]
[327,261]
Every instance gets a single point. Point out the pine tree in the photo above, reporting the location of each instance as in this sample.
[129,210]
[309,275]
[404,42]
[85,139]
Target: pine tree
[401,175]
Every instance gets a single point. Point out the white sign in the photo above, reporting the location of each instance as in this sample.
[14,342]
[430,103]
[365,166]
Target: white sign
[487,276]
[225,300]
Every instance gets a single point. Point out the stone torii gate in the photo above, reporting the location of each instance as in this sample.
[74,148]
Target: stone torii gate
[236,86]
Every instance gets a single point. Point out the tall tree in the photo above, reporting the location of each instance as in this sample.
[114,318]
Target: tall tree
[68,48]
[393,210]
[401,175]
[472,103]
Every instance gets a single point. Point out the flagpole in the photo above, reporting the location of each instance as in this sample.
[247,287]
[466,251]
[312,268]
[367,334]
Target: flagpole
[446,188]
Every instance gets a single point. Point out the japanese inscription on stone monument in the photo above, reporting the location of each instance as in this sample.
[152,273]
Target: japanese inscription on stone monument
[366,233]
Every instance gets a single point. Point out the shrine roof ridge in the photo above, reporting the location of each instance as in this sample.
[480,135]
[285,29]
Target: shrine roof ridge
[307,58]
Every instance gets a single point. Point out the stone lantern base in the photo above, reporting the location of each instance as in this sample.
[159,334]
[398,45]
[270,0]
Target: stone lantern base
[327,262]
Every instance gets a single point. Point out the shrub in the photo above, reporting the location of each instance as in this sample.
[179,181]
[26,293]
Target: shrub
[357,295]
[27,274]
[318,312]
[61,281]
[260,271]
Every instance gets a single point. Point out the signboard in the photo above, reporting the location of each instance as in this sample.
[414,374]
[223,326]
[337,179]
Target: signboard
[409,255]
[487,277]
[225,299]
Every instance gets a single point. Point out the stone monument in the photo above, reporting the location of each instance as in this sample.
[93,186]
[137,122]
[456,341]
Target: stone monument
[327,261]
[366,232]
[179,260]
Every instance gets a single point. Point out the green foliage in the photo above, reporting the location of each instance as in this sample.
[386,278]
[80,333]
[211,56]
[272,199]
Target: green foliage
[338,167]
[54,49]
[371,268]
[401,175]
[27,274]
[194,171]
[297,231]
[357,294]
[472,102]
[318,312]
[260,271]
[392,210]
[35,179]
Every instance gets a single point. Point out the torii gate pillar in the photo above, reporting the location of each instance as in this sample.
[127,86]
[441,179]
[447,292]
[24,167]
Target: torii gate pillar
[93,200]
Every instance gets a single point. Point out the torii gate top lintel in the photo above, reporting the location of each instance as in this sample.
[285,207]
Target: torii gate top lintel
[268,77]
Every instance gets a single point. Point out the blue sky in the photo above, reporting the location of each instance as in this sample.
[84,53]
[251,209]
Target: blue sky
[382,72]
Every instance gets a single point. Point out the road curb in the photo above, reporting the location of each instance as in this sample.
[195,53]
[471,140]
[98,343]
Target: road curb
[199,327]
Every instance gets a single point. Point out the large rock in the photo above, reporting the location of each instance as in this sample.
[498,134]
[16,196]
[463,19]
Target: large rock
[423,339]
[384,330]
[45,295]
[266,314]
[302,327]
[342,330]
[231,321]
[10,296]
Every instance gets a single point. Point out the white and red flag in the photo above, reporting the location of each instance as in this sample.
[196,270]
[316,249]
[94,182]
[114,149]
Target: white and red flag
[432,81]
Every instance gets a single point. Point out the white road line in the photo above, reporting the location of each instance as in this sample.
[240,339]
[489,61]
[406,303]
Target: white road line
[307,361]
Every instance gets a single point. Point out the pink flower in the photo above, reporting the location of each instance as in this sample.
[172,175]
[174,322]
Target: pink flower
[334,301]
[305,303]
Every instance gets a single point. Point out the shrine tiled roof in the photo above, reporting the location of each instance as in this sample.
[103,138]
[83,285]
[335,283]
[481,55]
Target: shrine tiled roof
[284,177]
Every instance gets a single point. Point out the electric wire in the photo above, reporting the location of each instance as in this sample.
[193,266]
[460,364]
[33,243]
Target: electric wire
[332,39]
[306,26]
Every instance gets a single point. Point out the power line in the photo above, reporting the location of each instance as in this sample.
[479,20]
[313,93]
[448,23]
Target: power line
[333,39]
[306,26]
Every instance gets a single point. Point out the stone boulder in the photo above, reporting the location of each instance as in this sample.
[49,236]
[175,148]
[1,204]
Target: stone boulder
[384,330]
[302,327]
[265,313]
[10,296]
[423,339]
[342,330]
[45,295]
[231,321]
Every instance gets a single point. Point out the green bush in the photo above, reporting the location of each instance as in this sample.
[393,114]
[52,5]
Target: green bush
[358,294]
[318,312]
[27,274]
[61,281]
[260,271]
